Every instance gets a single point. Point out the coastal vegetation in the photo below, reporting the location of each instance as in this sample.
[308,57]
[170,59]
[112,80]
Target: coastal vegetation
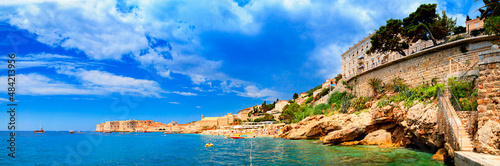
[267,117]
[376,85]
[310,91]
[395,91]
[464,93]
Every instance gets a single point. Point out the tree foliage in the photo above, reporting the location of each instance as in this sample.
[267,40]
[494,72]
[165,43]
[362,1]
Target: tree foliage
[492,25]
[289,112]
[459,30]
[295,96]
[337,78]
[443,26]
[311,91]
[389,38]
[491,8]
[417,26]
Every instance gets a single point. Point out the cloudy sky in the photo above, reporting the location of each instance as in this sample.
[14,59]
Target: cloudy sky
[85,62]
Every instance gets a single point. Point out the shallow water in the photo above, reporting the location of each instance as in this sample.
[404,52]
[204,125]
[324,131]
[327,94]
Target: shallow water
[90,148]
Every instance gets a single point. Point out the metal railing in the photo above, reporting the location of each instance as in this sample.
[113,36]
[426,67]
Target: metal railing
[455,104]
[451,124]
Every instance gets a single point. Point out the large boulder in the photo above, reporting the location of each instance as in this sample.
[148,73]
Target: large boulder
[344,135]
[378,137]
[382,115]
[353,128]
[313,127]
[421,121]
[440,155]
[488,138]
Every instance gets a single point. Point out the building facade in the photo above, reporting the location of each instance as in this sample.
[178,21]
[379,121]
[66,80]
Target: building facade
[225,120]
[243,114]
[356,61]
[474,24]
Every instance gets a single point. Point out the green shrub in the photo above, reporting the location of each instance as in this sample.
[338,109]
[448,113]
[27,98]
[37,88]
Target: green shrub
[361,111]
[309,111]
[420,93]
[398,85]
[310,91]
[320,109]
[359,103]
[308,100]
[323,93]
[383,102]
[375,84]
[465,93]
[336,98]
[344,105]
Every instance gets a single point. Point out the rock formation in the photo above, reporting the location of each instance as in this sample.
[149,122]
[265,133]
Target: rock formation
[488,138]
[388,126]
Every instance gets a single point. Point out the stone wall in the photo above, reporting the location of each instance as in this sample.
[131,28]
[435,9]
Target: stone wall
[489,93]
[420,68]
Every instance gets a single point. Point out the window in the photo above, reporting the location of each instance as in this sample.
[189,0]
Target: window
[476,25]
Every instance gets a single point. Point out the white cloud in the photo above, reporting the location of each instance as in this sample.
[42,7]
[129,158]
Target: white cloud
[36,84]
[174,102]
[3,100]
[329,59]
[255,92]
[111,83]
[184,93]
[92,26]
[460,18]
[92,83]
[101,31]
[198,106]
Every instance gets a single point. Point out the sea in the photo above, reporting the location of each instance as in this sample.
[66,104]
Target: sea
[91,148]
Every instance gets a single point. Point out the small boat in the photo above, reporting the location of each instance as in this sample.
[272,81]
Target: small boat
[41,129]
[147,131]
[71,132]
[79,132]
[107,132]
[209,145]
[168,132]
[237,136]
[120,133]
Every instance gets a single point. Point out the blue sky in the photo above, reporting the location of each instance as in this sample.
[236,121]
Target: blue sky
[82,63]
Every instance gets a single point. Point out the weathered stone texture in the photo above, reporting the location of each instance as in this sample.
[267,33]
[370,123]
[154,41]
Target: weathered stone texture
[488,93]
[487,139]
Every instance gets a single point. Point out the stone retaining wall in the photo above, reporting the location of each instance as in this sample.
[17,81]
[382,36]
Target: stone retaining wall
[421,68]
[489,93]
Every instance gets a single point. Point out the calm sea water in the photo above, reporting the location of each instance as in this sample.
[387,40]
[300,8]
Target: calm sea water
[90,148]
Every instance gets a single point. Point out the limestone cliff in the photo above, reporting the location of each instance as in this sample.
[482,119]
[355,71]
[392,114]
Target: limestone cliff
[392,125]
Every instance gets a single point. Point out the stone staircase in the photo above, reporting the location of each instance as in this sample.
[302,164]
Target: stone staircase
[462,138]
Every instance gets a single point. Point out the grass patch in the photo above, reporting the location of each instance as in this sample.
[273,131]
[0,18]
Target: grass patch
[361,111]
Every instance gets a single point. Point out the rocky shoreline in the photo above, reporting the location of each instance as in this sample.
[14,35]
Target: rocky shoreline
[390,126]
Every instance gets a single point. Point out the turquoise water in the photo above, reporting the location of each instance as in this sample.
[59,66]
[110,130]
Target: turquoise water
[90,148]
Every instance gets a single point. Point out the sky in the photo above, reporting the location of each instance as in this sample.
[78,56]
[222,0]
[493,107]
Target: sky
[80,63]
